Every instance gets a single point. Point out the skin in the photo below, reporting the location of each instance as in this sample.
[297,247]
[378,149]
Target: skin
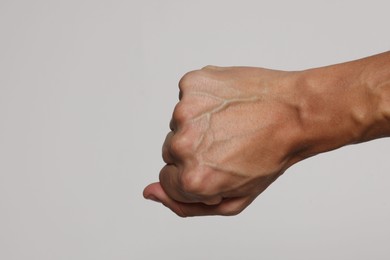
[235,130]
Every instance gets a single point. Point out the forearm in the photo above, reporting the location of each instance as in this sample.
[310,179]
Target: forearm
[344,104]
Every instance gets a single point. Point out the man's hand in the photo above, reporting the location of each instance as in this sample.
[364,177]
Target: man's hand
[236,130]
[233,133]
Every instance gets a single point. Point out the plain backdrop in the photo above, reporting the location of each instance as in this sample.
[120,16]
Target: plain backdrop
[87,88]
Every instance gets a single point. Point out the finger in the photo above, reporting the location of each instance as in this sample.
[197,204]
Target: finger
[169,179]
[172,125]
[180,115]
[177,118]
[156,193]
[173,186]
[227,207]
[166,155]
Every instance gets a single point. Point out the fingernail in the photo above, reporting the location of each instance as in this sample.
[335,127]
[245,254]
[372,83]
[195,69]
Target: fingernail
[152,197]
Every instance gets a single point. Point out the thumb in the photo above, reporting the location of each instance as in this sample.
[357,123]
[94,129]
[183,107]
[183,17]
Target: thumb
[153,192]
[156,193]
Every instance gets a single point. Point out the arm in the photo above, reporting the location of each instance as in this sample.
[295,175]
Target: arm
[236,130]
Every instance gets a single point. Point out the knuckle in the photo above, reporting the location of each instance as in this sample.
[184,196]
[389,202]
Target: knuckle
[165,155]
[180,144]
[197,182]
[192,184]
[181,113]
[189,79]
[186,80]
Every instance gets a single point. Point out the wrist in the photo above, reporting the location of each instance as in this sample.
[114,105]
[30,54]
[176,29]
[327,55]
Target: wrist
[340,105]
[376,76]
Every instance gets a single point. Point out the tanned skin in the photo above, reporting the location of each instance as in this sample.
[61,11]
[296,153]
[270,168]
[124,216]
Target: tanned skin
[235,130]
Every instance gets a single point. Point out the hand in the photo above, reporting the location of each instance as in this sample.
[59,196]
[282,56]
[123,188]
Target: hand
[234,132]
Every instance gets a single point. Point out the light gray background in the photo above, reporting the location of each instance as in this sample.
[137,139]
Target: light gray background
[86,94]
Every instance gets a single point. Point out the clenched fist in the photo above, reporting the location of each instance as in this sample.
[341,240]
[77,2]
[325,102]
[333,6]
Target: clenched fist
[236,130]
